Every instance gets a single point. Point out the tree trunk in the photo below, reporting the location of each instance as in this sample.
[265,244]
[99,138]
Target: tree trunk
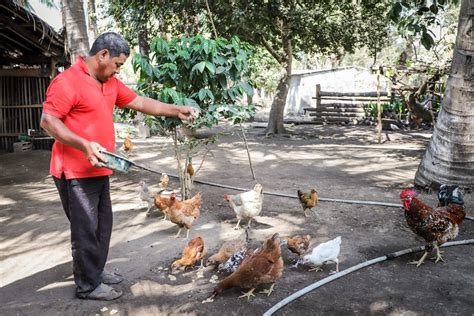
[449,157]
[143,45]
[74,21]
[275,120]
[92,19]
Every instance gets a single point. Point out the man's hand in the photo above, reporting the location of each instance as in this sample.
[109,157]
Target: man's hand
[92,152]
[187,113]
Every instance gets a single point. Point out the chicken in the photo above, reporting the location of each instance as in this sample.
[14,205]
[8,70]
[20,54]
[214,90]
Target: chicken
[146,196]
[435,225]
[189,168]
[260,267]
[247,204]
[192,253]
[298,245]
[162,203]
[183,213]
[308,200]
[234,261]
[324,253]
[226,251]
[164,181]
[127,146]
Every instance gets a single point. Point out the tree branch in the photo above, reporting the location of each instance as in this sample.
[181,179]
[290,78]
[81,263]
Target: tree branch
[210,18]
[270,49]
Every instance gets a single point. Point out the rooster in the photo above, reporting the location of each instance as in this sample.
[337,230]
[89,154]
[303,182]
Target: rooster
[183,213]
[192,253]
[308,200]
[324,253]
[298,245]
[263,266]
[247,204]
[435,225]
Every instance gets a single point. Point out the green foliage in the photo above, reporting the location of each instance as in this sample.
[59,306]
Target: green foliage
[397,106]
[374,31]
[415,17]
[204,73]
[264,70]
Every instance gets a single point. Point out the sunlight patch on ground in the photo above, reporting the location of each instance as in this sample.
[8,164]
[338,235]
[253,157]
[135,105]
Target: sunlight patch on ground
[6,201]
[207,226]
[15,268]
[148,288]
[56,285]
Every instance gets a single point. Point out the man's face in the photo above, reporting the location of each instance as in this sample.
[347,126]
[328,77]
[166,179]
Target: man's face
[109,66]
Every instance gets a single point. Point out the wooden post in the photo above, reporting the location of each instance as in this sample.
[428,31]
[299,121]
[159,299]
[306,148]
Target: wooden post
[379,108]
[318,95]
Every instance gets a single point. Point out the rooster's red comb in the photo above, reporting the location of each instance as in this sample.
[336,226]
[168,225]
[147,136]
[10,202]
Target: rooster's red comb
[407,193]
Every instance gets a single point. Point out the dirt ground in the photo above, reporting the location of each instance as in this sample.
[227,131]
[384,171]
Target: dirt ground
[342,162]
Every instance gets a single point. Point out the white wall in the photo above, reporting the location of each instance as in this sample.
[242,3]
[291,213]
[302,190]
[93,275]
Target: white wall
[303,86]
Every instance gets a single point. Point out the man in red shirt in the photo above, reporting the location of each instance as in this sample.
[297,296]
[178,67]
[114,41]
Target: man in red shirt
[78,113]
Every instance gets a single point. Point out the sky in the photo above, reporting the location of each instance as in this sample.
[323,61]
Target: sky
[51,16]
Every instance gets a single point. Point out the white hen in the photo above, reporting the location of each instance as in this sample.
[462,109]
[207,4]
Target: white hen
[246,205]
[325,252]
[146,196]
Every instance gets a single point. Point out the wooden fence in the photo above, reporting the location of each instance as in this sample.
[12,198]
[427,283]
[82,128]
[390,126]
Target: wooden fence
[20,110]
[341,107]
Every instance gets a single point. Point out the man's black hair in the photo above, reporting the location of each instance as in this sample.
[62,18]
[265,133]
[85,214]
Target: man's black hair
[113,42]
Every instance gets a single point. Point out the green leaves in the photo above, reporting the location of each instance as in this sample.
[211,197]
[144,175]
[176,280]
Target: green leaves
[199,72]
[415,17]
[200,67]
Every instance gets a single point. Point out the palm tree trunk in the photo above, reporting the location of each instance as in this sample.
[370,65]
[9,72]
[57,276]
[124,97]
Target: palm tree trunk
[449,157]
[74,21]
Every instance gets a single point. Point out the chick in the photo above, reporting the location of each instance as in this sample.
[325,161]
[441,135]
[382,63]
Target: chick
[146,196]
[298,245]
[164,181]
[127,146]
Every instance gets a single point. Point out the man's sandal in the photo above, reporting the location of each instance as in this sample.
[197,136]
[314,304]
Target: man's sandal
[110,277]
[103,292]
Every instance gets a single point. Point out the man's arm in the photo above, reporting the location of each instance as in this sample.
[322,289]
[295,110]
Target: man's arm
[56,128]
[155,107]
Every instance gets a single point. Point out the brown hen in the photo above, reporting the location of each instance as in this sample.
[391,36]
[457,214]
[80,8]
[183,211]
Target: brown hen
[162,203]
[263,266]
[183,213]
[308,200]
[192,253]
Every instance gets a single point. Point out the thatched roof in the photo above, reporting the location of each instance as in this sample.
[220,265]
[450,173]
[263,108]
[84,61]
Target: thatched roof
[27,39]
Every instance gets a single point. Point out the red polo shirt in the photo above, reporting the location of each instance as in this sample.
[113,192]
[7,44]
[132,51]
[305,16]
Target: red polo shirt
[86,108]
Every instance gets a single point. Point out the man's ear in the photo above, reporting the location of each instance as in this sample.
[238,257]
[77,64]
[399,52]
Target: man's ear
[103,54]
